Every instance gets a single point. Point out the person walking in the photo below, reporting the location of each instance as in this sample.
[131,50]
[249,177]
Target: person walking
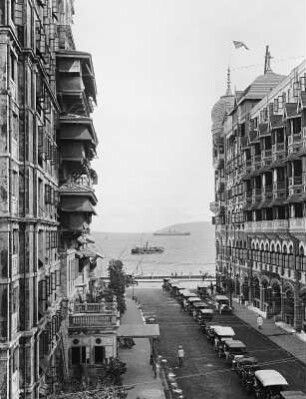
[180,355]
[259,321]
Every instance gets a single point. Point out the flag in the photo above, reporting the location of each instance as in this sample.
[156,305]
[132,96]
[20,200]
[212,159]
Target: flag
[240,44]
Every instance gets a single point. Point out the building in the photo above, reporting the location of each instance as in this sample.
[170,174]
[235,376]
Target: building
[47,141]
[259,149]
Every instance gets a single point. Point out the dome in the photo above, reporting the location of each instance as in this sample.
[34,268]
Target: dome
[219,110]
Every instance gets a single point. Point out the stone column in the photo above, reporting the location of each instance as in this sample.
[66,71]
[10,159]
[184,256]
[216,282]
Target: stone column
[262,294]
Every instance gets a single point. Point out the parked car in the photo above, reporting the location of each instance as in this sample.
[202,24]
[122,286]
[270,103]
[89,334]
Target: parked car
[222,334]
[268,384]
[222,304]
[232,349]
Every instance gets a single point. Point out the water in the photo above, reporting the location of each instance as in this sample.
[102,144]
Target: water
[194,254]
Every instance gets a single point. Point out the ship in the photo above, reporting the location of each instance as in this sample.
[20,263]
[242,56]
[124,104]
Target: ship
[147,250]
[171,232]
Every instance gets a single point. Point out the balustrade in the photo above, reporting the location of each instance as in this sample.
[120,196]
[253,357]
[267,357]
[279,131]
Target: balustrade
[97,320]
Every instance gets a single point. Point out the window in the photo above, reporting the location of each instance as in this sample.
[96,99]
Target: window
[15,241]
[99,354]
[78,355]
[13,66]
[275,105]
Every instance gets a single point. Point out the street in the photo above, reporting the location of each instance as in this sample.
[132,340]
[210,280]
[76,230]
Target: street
[203,375]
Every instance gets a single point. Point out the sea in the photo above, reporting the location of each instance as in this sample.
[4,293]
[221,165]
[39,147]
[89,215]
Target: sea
[183,255]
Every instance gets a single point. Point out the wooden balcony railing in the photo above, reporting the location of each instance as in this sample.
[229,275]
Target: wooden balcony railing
[90,320]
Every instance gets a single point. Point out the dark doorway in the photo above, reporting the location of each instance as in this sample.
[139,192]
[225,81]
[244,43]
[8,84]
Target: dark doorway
[99,354]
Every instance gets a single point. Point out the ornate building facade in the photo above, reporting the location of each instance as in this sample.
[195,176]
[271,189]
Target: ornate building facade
[259,157]
[47,141]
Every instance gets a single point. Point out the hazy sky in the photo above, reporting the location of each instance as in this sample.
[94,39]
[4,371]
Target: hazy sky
[160,65]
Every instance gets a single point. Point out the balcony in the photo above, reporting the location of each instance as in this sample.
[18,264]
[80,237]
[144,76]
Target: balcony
[77,130]
[214,206]
[102,321]
[218,162]
[256,161]
[94,307]
[76,84]
[256,193]
[295,181]
[280,224]
[294,142]
[266,158]
[297,225]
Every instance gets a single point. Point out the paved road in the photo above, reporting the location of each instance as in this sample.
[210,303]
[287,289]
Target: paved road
[203,374]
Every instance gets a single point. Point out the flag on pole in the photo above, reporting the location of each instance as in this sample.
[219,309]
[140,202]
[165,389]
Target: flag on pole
[240,44]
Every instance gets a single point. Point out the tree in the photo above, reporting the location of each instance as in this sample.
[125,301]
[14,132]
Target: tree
[117,282]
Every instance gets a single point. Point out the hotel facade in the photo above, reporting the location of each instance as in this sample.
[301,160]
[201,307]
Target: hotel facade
[47,143]
[259,158]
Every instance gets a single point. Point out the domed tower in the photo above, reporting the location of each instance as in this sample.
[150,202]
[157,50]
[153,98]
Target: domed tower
[222,107]
[218,115]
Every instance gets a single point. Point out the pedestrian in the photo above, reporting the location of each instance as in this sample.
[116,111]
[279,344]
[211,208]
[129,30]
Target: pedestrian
[154,369]
[259,321]
[180,355]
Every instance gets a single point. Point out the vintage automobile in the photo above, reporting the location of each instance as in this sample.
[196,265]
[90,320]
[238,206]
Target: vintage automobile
[222,304]
[205,315]
[246,369]
[220,335]
[196,307]
[232,349]
[292,395]
[243,364]
[210,331]
[190,302]
[268,384]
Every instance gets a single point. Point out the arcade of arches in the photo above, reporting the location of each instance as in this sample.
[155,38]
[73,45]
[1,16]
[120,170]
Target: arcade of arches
[273,293]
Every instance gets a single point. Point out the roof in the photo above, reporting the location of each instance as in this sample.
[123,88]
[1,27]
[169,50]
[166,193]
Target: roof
[194,299]
[261,86]
[224,331]
[235,343]
[221,298]
[76,190]
[248,360]
[293,395]
[188,294]
[270,377]
[138,331]
[77,205]
[200,304]
[207,311]
[219,110]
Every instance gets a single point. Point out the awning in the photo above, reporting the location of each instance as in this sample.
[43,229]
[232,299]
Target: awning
[293,157]
[78,254]
[265,204]
[278,202]
[75,132]
[255,205]
[247,207]
[77,205]
[302,152]
[138,331]
[276,121]
[263,130]
[291,110]
[295,198]
[255,172]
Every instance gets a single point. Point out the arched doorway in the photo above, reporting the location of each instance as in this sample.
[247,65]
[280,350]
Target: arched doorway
[256,288]
[289,306]
[275,299]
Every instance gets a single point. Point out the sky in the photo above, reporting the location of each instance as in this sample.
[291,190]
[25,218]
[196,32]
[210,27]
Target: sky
[160,66]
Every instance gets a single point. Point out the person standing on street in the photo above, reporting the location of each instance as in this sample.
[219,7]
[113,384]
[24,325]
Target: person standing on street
[259,322]
[180,355]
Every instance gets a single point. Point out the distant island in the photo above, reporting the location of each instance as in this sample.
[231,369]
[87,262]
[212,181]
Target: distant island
[182,229]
